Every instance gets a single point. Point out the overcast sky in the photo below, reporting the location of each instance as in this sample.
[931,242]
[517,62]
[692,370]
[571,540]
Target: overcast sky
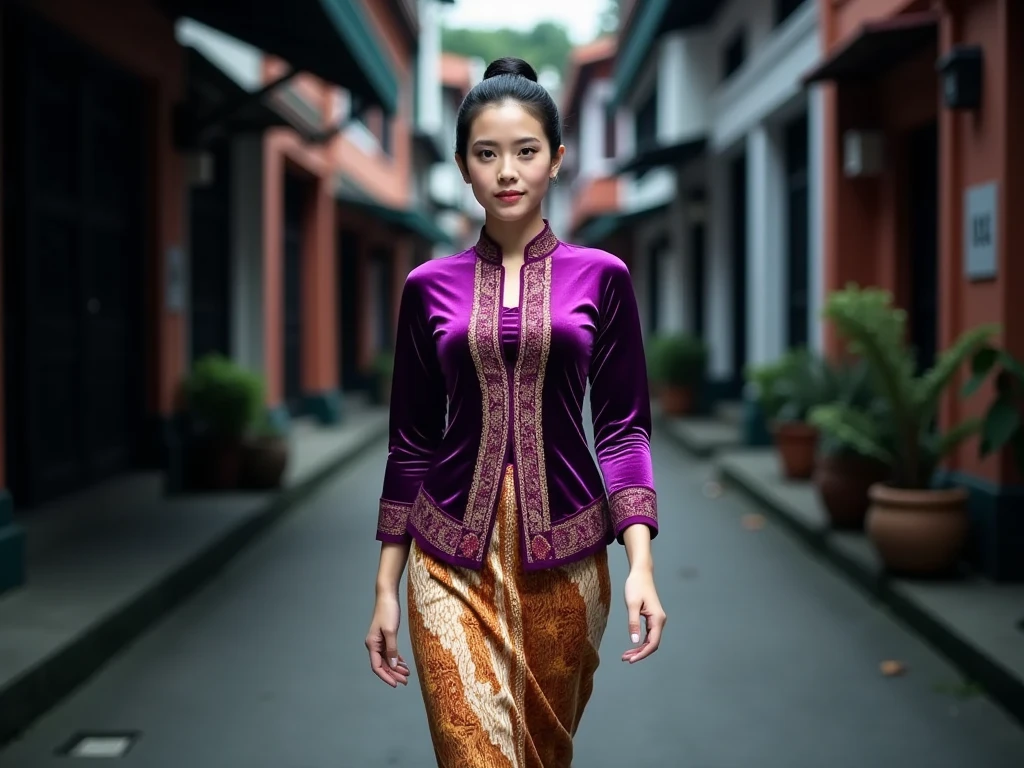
[580,17]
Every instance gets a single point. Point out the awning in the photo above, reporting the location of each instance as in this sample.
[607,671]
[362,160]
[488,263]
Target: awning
[877,47]
[209,87]
[649,20]
[600,228]
[413,221]
[331,39]
[660,155]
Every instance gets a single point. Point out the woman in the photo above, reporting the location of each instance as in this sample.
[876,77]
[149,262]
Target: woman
[491,494]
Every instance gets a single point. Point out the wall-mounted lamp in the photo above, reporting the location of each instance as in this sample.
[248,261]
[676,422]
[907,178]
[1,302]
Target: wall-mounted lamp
[961,71]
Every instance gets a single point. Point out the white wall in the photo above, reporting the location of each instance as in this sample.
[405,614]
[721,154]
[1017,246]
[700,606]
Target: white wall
[428,82]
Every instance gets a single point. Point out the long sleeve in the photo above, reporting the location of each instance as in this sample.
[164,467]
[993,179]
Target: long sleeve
[621,406]
[418,413]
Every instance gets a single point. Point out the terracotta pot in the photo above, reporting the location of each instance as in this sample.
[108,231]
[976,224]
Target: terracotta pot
[843,481]
[920,532]
[264,460]
[797,444]
[216,463]
[676,400]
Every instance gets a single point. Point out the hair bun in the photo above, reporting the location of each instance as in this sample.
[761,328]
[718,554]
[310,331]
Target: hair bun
[509,65]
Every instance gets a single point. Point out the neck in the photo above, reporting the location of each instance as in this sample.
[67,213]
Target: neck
[513,236]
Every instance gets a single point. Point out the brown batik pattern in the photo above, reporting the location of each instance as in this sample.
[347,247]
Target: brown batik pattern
[506,658]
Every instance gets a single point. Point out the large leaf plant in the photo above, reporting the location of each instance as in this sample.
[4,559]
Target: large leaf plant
[908,438]
[1002,424]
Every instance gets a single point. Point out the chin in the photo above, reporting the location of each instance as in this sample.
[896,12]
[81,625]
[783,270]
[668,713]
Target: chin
[519,213]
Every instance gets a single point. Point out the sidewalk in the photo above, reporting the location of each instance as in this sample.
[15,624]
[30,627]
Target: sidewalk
[978,625]
[106,564]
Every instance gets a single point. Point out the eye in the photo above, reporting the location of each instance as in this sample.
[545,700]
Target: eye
[485,154]
[529,150]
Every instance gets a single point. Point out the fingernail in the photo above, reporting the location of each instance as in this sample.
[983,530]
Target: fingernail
[635,637]
[394,663]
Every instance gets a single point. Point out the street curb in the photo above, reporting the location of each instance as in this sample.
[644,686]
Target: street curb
[40,689]
[1000,684]
[692,447]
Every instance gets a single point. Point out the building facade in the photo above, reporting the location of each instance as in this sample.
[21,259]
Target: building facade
[718,108]
[189,180]
[921,102]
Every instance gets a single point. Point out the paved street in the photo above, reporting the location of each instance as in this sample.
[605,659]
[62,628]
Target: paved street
[770,661]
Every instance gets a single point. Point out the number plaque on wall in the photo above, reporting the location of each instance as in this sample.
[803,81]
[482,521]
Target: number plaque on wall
[980,231]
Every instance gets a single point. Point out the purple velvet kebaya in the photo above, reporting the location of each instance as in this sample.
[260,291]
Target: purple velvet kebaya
[513,384]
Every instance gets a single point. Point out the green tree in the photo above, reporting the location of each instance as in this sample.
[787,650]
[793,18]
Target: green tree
[609,19]
[546,45]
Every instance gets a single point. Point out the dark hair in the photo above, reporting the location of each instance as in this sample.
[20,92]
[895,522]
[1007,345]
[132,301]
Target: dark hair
[509,79]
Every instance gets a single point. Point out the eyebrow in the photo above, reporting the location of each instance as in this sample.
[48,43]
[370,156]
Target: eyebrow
[489,143]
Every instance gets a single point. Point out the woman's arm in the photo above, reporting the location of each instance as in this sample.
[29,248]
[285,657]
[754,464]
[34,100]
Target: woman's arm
[417,423]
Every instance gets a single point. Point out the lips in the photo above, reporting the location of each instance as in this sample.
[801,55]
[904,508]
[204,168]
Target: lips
[509,197]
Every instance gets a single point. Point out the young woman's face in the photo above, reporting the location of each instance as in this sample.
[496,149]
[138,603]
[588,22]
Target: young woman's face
[508,161]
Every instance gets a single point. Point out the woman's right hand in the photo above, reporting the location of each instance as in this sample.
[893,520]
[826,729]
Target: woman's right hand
[382,642]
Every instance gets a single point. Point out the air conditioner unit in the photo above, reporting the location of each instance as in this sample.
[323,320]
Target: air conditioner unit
[862,153]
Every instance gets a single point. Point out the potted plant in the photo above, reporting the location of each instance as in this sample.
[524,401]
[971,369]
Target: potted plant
[915,527]
[223,400]
[804,381]
[383,371]
[844,472]
[264,457]
[760,401]
[676,362]
[1003,424]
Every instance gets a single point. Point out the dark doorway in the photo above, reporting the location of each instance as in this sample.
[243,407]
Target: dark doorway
[210,217]
[923,275]
[654,251]
[798,316]
[384,263]
[738,265]
[294,214]
[74,254]
[348,310]
[698,275]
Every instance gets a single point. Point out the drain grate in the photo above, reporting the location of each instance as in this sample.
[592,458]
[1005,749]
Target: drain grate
[107,744]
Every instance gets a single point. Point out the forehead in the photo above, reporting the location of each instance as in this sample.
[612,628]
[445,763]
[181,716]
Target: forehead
[507,120]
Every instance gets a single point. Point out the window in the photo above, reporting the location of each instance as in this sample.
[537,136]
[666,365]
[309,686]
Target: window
[609,133]
[380,126]
[647,122]
[785,8]
[734,54]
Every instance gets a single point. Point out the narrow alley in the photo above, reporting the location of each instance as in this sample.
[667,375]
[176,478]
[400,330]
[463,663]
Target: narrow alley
[771,660]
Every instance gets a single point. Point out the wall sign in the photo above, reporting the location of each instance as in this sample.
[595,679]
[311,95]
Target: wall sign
[980,231]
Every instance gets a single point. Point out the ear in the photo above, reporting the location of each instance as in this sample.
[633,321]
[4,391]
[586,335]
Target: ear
[462,168]
[556,161]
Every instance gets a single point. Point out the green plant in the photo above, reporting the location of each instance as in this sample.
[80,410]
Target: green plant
[853,391]
[1002,425]
[876,330]
[807,380]
[764,379]
[225,398]
[677,359]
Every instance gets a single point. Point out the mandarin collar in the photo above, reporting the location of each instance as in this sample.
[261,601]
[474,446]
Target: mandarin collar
[544,244]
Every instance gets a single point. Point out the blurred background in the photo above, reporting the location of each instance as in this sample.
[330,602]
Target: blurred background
[209,209]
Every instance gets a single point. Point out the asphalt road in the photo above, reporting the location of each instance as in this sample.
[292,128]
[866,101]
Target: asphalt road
[770,661]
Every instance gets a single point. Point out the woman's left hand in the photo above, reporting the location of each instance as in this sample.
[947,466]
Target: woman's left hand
[642,600]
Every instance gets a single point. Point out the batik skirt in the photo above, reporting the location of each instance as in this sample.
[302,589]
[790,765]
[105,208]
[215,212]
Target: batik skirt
[506,658]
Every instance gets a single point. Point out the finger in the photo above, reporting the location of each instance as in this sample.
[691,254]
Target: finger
[634,622]
[391,647]
[380,670]
[651,643]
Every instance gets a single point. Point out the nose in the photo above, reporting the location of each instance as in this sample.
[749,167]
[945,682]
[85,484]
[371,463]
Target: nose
[507,172]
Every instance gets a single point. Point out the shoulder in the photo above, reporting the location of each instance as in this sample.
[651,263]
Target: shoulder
[606,265]
[441,270]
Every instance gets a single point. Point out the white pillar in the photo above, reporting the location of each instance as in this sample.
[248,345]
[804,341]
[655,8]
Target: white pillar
[816,218]
[718,289]
[766,267]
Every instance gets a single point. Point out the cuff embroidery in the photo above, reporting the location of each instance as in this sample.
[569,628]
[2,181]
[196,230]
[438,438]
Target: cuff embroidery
[633,502]
[392,517]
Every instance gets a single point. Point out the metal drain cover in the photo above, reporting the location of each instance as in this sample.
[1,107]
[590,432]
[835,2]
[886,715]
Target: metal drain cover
[99,745]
